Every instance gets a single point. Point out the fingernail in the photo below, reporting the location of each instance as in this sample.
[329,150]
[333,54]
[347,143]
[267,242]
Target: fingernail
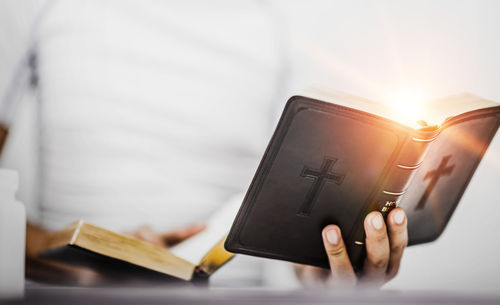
[399,216]
[332,236]
[377,221]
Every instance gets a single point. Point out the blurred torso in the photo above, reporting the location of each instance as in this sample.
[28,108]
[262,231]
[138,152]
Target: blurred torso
[152,113]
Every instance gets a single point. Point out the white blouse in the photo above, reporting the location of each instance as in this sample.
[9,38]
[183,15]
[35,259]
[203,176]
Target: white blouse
[152,112]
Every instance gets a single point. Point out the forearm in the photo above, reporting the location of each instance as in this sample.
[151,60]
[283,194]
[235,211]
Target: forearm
[36,239]
[43,270]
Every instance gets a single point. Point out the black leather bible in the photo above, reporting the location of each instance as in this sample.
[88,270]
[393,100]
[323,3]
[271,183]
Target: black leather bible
[335,158]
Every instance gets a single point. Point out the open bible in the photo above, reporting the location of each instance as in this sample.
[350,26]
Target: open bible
[334,158]
[120,257]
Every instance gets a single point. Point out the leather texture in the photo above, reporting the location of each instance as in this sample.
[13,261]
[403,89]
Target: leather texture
[329,164]
[323,166]
[438,185]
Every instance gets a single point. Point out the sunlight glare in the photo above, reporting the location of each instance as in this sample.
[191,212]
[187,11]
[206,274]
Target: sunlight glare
[408,105]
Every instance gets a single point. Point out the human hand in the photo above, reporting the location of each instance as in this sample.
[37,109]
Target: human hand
[169,239]
[384,249]
[48,271]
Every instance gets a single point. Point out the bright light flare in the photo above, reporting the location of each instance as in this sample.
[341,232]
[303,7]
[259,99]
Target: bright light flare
[408,105]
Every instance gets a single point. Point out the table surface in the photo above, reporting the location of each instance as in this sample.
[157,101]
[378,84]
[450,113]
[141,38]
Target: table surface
[54,295]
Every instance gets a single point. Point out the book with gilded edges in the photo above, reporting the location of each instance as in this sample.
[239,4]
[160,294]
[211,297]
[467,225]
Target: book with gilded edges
[121,258]
[334,158]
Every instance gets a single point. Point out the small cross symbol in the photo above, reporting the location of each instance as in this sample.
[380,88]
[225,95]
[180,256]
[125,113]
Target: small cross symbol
[319,177]
[434,175]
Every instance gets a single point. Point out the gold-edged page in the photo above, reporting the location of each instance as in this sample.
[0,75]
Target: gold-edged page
[195,248]
[123,247]
[215,258]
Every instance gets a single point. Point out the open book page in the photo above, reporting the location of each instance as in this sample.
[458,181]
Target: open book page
[351,101]
[437,111]
[113,245]
[217,226]
[434,112]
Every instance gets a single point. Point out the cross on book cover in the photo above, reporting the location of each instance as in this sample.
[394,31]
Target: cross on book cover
[334,158]
[319,178]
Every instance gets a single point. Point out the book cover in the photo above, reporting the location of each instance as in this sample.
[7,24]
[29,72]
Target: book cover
[334,159]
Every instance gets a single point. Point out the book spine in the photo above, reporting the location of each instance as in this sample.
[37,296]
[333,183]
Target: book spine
[404,167]
[410,158]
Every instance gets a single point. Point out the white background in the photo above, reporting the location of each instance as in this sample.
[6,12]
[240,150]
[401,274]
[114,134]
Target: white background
[368,48]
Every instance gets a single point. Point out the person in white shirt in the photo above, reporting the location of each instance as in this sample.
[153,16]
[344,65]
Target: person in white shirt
[154,115]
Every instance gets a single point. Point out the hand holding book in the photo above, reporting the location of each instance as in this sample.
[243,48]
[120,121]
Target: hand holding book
[342,164]
[385,243]
[335,158]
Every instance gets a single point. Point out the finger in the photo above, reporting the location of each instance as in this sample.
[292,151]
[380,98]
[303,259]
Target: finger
[377,248]
[146,234]
[398,238]
[340,265]
[177,236]
[311,276]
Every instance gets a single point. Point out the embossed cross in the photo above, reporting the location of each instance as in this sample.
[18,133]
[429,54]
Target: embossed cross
[319,178]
